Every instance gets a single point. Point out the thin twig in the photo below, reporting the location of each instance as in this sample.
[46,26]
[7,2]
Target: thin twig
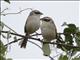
[17,12]
[4,10]
[8,27]
[12,33]
[35,44]
[21,39]
[51,58]
[13,41]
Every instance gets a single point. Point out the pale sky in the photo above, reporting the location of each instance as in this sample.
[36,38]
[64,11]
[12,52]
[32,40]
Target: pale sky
[60,11]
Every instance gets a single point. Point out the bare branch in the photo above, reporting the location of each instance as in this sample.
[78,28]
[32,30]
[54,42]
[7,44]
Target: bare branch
[16,12]
[13,33]
[4,10]
[51,58]
[37,39]
[35,44]
[13,41]
[8,27]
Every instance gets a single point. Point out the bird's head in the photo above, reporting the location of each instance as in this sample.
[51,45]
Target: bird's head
[36,12]
[46,19]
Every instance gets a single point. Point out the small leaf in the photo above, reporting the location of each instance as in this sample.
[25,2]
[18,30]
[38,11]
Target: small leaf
[63,57]
[78,34]
[76,58]
[68,39]
[77,39]
[72,52]
[2,48]
[73,28]
[2,57]
[67,31]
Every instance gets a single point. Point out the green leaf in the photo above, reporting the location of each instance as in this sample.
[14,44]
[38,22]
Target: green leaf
[63,57]
[2,48]
[77,38]
[76,58]
[72,28]
[73,52]
[7,1]
[78,34]
[67,31]
[69,40]
[2,57]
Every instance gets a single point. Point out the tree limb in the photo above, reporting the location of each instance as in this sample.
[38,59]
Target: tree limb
[37,39]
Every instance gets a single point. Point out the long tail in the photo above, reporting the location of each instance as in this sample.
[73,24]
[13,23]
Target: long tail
[24,42]
[46,49]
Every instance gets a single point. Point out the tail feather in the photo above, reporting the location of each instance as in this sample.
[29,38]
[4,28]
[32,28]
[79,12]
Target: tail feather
[24,42]
[46,49]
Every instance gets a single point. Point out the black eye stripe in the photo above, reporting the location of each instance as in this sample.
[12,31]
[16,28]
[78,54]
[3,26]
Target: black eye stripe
[37,12]
[46,20]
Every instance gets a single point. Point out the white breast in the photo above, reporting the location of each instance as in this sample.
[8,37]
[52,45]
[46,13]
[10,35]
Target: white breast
[48,30]
[33,24]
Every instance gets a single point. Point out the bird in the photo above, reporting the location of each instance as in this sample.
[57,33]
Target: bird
[49,33]
[32,25]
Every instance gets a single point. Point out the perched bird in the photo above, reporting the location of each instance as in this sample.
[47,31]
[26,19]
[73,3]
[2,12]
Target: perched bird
[32,25]
[49,32]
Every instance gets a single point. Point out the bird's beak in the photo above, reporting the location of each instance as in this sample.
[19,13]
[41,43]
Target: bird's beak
[41,13]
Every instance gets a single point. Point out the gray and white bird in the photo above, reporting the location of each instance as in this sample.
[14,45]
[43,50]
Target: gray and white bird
[49,33]
[32,25]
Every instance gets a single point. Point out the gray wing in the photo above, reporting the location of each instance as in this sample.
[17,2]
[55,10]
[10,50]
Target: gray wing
[55,28]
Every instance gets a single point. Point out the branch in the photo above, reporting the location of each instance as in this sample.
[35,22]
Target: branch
[16,12]
[21,39]
[13,41]
[8,27]
[37,39]
[4,10]
[35,44]
[13,33]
